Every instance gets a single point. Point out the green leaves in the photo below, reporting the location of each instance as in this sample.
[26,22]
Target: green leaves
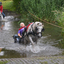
[41,8]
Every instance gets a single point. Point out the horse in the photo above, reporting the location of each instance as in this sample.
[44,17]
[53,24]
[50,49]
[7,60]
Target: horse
[32,32]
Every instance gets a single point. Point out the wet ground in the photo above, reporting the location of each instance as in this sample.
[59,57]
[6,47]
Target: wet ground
[44,47]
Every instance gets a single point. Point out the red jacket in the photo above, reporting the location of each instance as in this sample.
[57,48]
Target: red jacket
[1,8]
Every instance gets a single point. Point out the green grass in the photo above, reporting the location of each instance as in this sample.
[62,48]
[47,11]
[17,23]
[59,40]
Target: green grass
[3,62]
[8,5]
[44,62]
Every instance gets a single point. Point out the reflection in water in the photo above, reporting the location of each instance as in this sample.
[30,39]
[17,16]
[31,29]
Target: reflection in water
[7,26]
[2,23]
[6,19]
[11,54]
[1,53]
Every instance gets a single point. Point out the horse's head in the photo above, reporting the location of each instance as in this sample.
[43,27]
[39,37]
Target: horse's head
[39,27]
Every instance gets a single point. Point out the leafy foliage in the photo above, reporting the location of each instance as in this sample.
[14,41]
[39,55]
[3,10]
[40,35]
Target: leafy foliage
[59,17]
[17,5]
[41,8]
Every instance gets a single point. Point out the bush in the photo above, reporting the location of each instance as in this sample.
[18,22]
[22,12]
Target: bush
[59,17]
[17,5]
[41,8]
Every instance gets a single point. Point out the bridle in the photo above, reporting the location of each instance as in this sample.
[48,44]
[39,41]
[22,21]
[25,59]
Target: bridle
[34,32]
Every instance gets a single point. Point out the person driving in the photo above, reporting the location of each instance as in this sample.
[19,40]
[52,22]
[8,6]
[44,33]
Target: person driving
[20,31]
[17,37]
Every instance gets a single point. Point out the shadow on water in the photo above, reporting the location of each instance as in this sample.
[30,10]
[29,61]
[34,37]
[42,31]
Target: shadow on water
[11,54]
[46,46]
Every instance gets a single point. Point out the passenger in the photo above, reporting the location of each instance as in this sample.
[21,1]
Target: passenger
[1,9]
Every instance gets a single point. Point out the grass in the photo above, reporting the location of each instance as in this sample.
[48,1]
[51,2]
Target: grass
[44,62]
[8,5]
[3,62]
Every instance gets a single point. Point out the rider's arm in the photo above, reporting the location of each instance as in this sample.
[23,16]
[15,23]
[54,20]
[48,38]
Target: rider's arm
[19,33]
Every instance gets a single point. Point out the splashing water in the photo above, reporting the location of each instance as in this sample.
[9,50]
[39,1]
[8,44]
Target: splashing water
[34,48]
[8,18]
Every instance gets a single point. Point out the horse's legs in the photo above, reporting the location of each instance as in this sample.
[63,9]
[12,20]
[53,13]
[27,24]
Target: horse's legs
[31,40]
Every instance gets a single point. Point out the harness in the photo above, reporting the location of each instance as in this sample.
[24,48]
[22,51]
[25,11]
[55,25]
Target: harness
[21,27]
[28,26]
[31,31]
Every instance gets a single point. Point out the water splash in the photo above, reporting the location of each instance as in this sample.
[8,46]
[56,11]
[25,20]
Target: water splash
[8,18]
[1,53]
[35,48]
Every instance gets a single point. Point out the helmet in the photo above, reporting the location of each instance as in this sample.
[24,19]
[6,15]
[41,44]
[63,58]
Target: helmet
[0,3]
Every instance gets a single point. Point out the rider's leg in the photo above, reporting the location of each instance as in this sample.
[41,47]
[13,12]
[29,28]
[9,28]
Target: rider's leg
[3,14]
[15,38]
[18,39]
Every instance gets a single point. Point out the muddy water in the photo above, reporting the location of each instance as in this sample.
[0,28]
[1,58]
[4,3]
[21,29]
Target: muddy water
[51,36]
